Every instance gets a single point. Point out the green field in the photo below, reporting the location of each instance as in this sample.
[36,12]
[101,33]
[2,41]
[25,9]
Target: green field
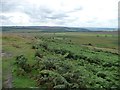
[60,60]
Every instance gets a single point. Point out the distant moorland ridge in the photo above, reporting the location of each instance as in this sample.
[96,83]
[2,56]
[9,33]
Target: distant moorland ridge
[56,28]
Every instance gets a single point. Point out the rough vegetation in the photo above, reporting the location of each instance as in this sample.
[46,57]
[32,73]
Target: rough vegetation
[59,65]
[59,62]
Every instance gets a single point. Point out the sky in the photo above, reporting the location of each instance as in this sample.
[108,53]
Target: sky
[69,13]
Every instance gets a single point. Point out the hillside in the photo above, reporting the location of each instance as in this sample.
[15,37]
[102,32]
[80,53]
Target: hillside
[45,28]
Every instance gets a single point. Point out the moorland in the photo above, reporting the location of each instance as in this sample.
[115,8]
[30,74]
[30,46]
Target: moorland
[59,58]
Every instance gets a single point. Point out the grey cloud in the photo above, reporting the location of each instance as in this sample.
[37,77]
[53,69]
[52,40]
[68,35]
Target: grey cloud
[5,20]
[57,16]
[76,9]
[10,6]
[61,22]
[2,17]
[6,6]
[37,14]
[43,14]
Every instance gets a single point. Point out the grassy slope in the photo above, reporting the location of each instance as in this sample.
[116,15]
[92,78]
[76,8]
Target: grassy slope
[16,44]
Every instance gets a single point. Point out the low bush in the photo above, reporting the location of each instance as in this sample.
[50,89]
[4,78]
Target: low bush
[50,79]
[21,62]
[35,47]
[38,54]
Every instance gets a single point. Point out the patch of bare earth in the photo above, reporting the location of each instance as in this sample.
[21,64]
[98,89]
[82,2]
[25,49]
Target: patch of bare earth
[8,80]
[7,83]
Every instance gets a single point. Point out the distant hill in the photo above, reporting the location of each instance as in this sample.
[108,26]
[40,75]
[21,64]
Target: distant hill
[101,29]
[45,28]
[54,29]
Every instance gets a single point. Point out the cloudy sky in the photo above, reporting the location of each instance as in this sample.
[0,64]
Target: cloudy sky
[71,13]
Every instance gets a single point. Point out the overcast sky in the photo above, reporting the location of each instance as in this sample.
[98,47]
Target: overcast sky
[73,13]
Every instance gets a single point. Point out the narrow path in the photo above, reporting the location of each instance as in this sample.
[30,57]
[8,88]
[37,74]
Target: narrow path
[8,79]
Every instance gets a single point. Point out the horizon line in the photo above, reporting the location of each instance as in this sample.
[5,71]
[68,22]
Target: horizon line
[52,26]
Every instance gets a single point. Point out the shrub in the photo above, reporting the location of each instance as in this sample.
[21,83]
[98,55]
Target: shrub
[101,74]
[48,64]
[98,36]
[106,64]
[38,54]
[62,67]
[59,86]
[70,55]
[89,44]
[94,60]
[50,79]
[21,62]
[44,45]
[34,47]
